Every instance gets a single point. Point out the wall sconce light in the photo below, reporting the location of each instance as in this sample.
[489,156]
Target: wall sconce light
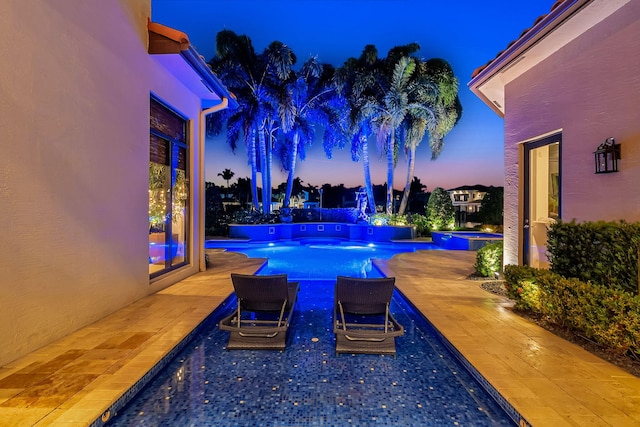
[606,156]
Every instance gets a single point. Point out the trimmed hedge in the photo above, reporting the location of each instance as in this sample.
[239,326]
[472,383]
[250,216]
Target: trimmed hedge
[602,252]
[489,259]
[610,317]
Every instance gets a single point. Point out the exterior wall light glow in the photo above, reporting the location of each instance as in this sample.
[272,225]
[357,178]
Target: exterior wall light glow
[606,156]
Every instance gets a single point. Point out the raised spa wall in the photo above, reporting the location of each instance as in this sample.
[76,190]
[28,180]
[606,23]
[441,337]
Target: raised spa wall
[466,241]
[355,232]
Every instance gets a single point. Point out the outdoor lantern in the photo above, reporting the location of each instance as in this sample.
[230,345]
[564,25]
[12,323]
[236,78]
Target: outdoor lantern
[606,156]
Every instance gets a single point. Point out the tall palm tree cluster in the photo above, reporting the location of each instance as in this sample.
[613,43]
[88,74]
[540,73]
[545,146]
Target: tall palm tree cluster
[396,101]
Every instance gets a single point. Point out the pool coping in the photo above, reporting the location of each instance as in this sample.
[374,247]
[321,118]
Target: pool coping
[513,407]
[548,380]
[125,398]
[503,403]
[121,402]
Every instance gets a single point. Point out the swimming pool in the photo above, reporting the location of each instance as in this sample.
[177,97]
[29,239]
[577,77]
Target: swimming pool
[320,259]
[308,384]
[464,240]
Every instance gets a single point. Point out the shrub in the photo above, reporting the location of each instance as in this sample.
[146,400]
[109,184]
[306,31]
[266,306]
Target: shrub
[609,317]
[440,212]
[515,273]
[602,252]
[393,219]
[379,219]
[253,217]
[489,259]
[421,224]
[521,286]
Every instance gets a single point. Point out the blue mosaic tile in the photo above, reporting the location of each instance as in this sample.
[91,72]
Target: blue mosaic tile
[309,385]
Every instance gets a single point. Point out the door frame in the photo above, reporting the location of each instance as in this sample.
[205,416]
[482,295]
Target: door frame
[526,195]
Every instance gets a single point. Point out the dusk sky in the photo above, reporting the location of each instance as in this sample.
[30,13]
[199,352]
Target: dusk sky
[465,33]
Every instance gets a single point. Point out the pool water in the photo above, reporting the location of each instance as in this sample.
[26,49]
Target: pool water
[308,384]
[321,259]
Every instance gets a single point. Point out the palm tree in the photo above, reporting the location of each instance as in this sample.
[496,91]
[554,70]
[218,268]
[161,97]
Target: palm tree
[237,65]
[253,79]
[308,99]
[416,97]
[279,60]
[227,174]
[358,81]
[437,91]
[397,102]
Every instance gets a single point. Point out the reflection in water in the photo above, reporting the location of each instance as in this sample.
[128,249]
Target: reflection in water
[308,384]
[321,261]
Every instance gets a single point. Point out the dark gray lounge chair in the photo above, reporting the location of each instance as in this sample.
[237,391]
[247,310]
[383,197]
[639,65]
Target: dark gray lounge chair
[361,318]
[264,310]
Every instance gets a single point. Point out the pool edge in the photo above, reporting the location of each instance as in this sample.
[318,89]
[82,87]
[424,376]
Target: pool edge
[132,391]
[500,400]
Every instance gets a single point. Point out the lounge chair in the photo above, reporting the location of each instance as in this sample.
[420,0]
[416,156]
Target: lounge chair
[361,318]
[264,310]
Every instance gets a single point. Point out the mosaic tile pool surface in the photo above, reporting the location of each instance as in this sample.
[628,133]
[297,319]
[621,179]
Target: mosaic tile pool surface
[308,384]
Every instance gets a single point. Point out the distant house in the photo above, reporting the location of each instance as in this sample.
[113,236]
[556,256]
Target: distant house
[564,87]
[102,165]
[466,202]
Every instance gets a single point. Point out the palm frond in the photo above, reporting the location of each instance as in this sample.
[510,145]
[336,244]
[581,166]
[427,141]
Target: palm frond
[402,72]
[280,58]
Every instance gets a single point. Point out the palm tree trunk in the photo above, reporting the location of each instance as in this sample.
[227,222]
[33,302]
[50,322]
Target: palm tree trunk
[269,166]
[292,169]
[266,205]
[390,147]
[254,171]
[367,174]
[410,171]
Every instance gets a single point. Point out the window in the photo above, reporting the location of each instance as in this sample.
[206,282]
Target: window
[168,190]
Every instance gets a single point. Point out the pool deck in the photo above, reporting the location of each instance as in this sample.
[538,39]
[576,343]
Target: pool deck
[548,380]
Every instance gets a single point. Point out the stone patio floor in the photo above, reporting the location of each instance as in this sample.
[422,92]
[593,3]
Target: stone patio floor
[548,380]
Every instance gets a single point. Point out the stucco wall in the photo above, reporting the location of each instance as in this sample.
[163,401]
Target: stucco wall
[75,81]
[589,89]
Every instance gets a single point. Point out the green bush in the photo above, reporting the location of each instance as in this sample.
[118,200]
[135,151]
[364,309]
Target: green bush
[418,221]
[396,219]
[386,219]
[515,273]
[421,224]
[609,317]
[489,259]
[602,252]
[440,212]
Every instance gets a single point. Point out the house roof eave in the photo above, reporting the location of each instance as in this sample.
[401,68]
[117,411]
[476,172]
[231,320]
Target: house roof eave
[169,43]
[549,33]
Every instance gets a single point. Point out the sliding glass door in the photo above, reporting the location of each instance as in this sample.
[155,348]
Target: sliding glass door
[168,190]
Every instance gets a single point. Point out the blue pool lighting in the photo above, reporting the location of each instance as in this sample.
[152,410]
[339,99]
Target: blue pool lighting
[308,384]
[320,259]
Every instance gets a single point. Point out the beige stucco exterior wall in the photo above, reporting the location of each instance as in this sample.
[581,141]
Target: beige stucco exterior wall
[75,81]
[590,90]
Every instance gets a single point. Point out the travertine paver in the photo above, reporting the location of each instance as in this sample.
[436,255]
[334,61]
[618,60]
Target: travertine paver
[548,380]
[551,382]
[73,381]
